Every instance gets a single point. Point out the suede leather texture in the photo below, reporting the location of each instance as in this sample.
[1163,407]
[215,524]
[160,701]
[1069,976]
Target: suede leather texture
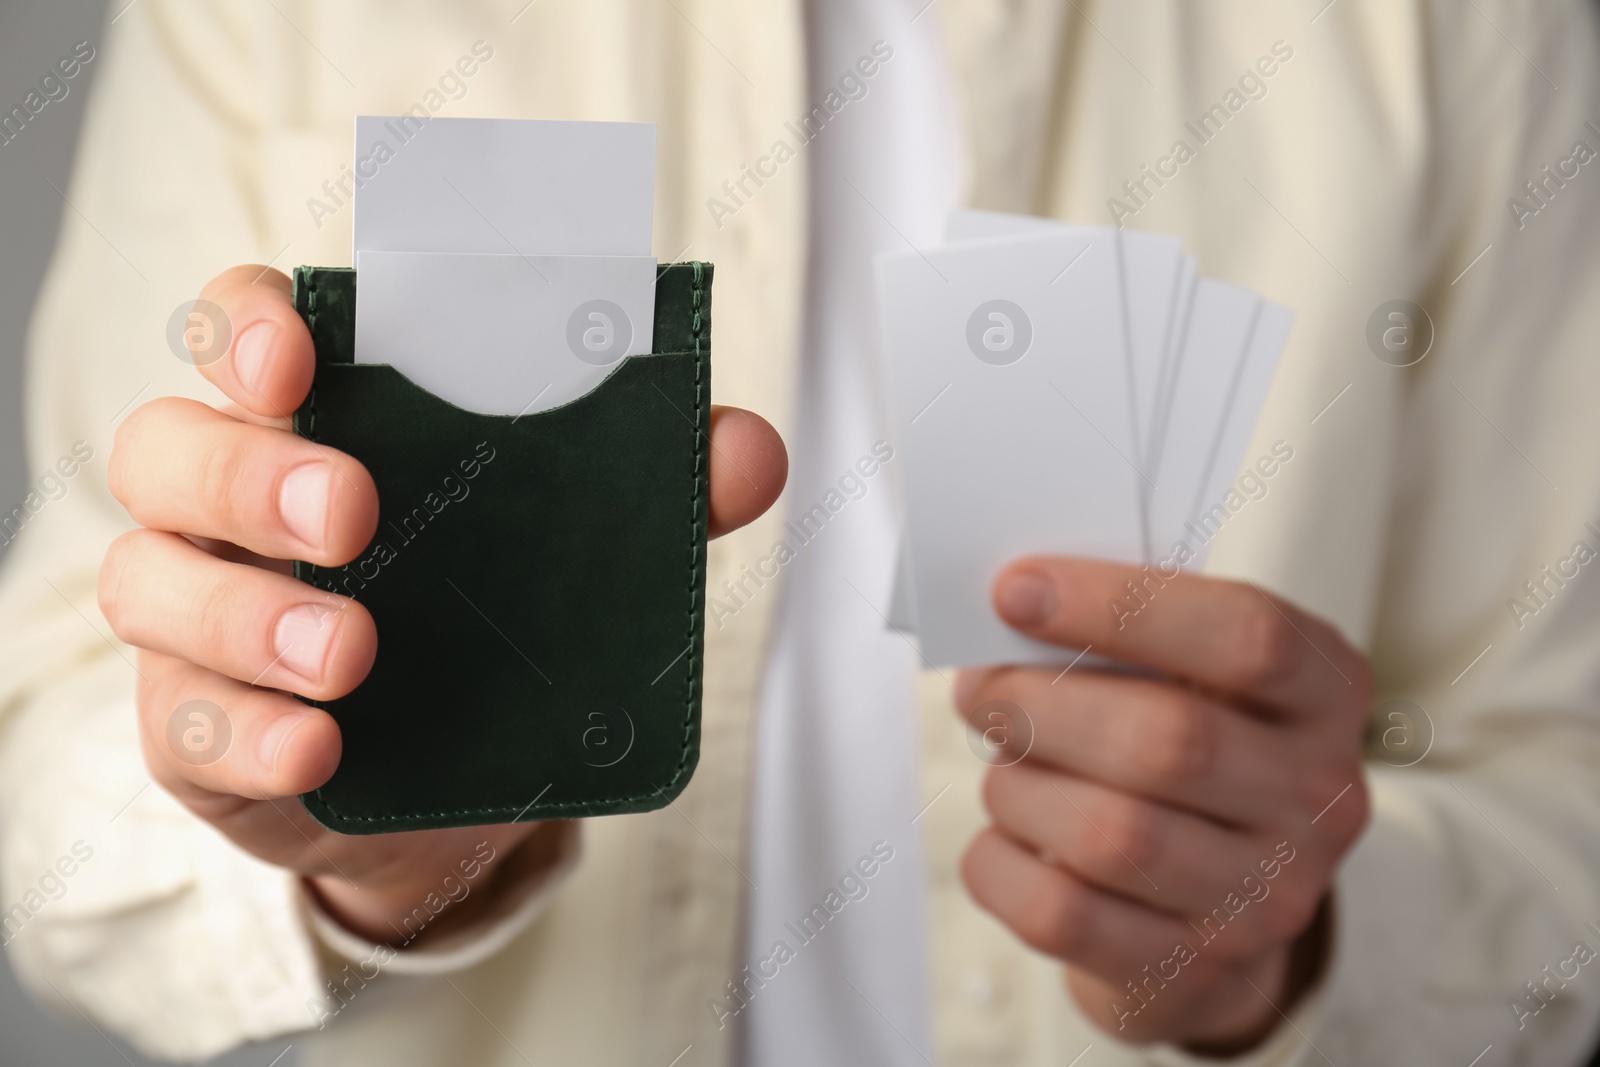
[537,581]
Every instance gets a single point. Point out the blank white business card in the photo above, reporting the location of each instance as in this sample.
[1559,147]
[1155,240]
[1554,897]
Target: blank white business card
[1148,267]
[1177,327]
[1231,342]
[1010,408]
[532,187]
[1249,381]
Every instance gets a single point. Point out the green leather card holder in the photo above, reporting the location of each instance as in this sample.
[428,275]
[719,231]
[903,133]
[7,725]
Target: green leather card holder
[537,581]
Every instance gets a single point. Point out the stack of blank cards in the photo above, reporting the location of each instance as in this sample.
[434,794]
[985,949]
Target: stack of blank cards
[1058,389]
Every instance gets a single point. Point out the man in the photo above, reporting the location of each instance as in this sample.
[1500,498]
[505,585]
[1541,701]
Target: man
[1172,846]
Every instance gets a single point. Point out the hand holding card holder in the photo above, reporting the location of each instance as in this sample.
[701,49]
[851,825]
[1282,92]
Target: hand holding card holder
[537,582]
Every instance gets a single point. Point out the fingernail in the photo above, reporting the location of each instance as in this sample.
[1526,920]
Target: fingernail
[276,733]
[301,639]
[1025,598]
[303,502]
[250,350]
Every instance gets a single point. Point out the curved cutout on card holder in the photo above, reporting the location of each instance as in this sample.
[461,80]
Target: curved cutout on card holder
[537,582]
[524,333]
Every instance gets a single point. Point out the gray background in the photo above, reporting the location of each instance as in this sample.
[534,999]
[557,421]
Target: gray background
[32,34]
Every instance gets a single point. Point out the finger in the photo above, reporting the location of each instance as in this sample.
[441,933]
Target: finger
[268,365]
[179,465]
[234,411]
[1062,916]
[1153,854]
[1226,635]
[1154,739]
[748,468]
[213,741]
[161,592]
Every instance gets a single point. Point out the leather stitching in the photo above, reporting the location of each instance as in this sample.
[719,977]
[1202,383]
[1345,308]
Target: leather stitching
[311,396]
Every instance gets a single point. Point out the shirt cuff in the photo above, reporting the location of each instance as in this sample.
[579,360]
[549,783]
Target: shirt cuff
[524,888]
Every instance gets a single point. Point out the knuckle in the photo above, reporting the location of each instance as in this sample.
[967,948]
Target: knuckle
[1054,919]
[153,752]
[1018,800]
[1264,646]
[128,444]
[1296,906]
[978,870]
[156,701]
[1345,818]
[1176,740]
[121,560]
[982,685]
[1334,797]
[222,476]
[1128,833]
[118,463]
[971,867]
[213,617]
[165,768]
[996,793]
[1047,915]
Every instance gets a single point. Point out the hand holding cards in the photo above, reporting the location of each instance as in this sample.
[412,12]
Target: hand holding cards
[1058,389]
